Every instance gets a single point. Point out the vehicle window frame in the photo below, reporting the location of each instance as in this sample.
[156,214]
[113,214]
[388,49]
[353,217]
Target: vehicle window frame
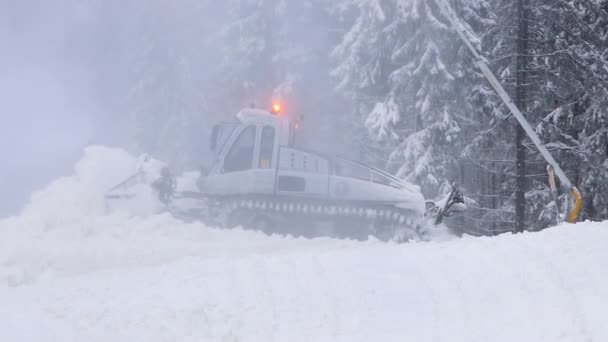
[268,149]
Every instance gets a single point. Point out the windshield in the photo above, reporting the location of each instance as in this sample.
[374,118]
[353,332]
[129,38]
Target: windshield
[225,130]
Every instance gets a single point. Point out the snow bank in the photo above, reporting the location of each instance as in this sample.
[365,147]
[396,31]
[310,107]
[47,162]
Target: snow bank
[69,272]
[67,229]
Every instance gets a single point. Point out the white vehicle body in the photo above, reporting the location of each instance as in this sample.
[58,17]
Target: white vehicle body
[274,167]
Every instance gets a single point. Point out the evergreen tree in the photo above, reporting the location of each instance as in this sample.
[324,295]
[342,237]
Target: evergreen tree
[562,85]
[402,60]
[576,95]
[361,72]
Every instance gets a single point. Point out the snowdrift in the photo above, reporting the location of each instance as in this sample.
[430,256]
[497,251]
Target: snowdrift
[69,271]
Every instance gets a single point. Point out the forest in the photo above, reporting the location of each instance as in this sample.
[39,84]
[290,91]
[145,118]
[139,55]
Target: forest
[385,82]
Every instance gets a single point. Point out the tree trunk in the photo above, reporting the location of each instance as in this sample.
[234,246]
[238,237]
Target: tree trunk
[520,101]
[494,199]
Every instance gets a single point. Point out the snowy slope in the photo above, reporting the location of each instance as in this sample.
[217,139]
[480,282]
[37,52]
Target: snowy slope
[69,272]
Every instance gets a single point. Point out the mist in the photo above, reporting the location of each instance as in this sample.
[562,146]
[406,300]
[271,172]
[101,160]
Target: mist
[152,77]
[44,102]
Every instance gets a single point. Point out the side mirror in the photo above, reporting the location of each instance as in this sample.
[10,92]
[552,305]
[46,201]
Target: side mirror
[214,135]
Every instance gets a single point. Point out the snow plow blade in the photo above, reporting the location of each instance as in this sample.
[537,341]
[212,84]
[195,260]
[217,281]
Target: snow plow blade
[147,191]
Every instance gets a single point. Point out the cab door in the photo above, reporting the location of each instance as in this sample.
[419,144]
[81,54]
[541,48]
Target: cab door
[265,167]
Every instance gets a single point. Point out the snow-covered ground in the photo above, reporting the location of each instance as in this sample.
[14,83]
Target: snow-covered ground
[71,272]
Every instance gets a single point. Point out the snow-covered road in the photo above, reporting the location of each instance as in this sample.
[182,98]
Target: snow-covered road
[69,273]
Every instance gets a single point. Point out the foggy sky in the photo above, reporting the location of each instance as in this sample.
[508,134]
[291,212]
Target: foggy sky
[44,105]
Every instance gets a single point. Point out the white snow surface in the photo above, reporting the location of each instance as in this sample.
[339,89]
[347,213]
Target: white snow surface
[71,272]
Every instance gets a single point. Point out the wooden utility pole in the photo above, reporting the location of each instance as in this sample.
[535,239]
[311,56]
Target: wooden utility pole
[520,101]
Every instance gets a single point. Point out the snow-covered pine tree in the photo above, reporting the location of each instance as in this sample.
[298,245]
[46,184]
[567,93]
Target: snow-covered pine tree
[402,60]
[575,95]
[488,152]
[566,85]
[431,86]
[362,69]
[493,150]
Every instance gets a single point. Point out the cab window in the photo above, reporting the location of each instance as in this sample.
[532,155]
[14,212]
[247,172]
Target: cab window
[266,148]
[240,156]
